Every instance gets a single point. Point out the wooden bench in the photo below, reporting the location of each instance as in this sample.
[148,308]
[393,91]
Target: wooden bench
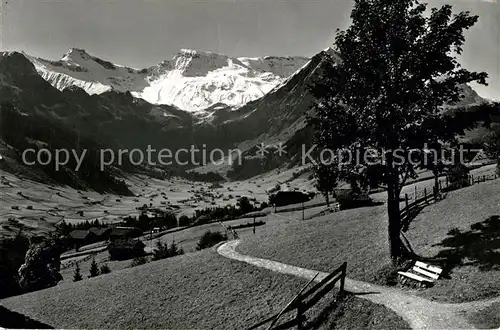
[335,207]
[423,273]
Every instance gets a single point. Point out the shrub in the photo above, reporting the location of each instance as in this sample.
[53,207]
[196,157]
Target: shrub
[94,269]
[184,221]
[244,205]
[458,177]
[105,269]
[210,239]
[161,251]
[125,249]
[164,251]
[41,266]
[174,250]
[215,185]
[77,276]
[138,261]
[352,201]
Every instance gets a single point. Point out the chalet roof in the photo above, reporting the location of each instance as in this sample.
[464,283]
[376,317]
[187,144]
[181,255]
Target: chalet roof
[123,231]
[99,231]
[80,234]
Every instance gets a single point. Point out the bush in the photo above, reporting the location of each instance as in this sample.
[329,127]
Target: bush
[209,239]
[215,185]
[352,201]
[125,249]
[105,269]
[184,221]
[164,251]
[41,266]
[244,205]
[138,261]
[458,177]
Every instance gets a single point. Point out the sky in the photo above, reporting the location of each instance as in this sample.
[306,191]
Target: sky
[141,33]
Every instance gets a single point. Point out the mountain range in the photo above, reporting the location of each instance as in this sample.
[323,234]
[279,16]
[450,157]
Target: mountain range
[192,80]
[82,100]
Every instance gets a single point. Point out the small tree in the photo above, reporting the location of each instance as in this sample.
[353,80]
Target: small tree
[458,176]
[77,276]
[326,179]
[174,250]
[94,269]
[244,205]
[161,251]
[105,269]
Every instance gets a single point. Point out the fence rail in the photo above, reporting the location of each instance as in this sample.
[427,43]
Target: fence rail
[305,300]
[229,230]
[423,197]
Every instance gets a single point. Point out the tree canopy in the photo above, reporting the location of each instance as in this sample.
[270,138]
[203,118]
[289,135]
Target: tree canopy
[395,75]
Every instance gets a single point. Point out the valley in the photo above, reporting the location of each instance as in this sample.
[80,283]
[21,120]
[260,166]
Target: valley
[225,165]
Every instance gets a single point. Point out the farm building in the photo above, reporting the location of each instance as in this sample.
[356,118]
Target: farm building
[124,232]
[82,237]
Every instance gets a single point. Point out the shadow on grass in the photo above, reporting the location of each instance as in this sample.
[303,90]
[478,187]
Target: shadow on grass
[323,316]
[365,293]
[479,246]
[349,312]
[13,320]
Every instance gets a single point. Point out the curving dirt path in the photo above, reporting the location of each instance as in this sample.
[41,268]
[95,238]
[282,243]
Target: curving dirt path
[418,312]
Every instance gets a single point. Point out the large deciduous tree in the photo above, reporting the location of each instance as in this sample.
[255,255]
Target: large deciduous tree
[398,66]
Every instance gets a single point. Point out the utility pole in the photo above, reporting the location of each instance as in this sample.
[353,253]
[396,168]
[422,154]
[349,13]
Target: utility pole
[303,211]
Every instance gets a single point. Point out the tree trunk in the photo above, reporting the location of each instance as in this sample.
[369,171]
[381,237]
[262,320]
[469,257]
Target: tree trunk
[394,227]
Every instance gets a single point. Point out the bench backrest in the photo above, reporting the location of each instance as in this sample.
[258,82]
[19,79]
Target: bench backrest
[427,270]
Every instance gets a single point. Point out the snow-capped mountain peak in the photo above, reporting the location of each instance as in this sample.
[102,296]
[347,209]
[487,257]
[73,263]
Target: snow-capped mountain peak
[76,55]
[192,80]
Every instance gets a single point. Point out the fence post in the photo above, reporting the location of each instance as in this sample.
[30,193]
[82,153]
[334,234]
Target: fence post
[303,211]
[300,313]
[254,224]
[425,195]
[415,195]
[342,279]
[440,185]
[406,202]
[447,182]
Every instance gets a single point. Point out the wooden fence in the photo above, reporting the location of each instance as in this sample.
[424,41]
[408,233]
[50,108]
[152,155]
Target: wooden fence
[304,300]
[229,231]
[423,197]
